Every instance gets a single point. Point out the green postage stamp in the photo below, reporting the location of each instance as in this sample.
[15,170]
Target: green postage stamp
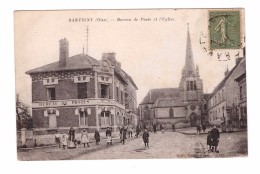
[224,29]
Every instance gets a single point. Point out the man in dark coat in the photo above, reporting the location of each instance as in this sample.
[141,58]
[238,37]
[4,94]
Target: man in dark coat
[137,131]
[154,128]
[146,138]
[214,138]
[124,131]
[173,127]
[97,137]
[203,127]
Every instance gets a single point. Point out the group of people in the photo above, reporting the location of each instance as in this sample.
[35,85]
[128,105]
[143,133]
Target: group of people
[201,127]
[69,140]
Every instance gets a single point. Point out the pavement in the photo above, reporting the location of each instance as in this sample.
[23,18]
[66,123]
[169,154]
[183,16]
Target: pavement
[193,130]
[167,145]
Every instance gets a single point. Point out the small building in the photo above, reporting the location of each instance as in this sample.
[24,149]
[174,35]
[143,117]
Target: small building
[228,96]
[82,92]
[242,100]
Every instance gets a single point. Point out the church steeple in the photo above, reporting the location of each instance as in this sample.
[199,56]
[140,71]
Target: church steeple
[189,67]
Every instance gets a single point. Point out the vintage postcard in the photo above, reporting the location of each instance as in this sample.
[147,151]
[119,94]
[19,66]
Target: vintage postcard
[130,84]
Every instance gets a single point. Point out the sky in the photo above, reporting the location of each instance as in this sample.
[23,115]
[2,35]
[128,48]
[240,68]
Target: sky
[151,48]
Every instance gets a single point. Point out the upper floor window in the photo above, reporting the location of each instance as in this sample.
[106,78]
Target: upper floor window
[104,91]
[117,93]
[122,97]
[51,93]
[82,90]
[241,92]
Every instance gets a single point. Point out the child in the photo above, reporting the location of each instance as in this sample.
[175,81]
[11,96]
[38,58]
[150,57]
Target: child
[63,141]
[109,136]
[209,141]
[97,137]
[146,138]
[84,138]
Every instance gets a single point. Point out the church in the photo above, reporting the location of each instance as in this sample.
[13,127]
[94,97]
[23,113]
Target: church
[182,105]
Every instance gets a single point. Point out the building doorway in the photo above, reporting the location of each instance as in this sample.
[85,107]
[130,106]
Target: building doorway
[193,119]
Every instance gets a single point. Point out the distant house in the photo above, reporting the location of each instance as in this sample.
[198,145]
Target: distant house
[171,105]
[227,103]
[82,92]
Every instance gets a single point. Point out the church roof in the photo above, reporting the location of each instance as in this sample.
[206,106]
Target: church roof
[154,94]
[167,102]
[80,61]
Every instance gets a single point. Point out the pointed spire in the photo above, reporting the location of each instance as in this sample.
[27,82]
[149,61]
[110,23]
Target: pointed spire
[87,40]
[197,70]
[83,49]
[189,68]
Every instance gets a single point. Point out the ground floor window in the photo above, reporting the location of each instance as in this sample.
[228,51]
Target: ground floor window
[83,119]
[52,121]
[105,118]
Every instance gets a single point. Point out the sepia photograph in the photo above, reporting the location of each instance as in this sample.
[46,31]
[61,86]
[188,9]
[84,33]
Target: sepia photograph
[130,84]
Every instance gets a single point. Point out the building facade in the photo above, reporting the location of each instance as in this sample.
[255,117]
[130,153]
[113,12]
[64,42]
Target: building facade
[82,92]
[227,103]
[173,105]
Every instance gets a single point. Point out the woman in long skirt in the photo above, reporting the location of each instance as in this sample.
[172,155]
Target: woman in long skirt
[84,137]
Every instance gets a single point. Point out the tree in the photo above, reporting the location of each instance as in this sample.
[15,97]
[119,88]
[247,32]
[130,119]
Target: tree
[23,117]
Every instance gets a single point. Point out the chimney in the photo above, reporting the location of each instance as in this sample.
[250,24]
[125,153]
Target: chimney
[64,52]
[111,57]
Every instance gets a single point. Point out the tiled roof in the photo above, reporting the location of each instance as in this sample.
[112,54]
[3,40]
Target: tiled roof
[167,102]
[221,84]
[80,61]
[154,94]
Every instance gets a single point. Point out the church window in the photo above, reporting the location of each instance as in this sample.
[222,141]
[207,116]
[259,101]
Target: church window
[188,85]
[195,85]
[191,85]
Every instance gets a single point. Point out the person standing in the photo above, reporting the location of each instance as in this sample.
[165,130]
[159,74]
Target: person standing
[124,132]
[121,134]
[198,128]
[84,138]
[63,141]
[154,128]
[57,138]
[173,127]
[137,131]
[204,127]
[146,138]
[71,138]
[162,129]
[97,137]
[209,141]
[109,136]
[130,131]
[215,138]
